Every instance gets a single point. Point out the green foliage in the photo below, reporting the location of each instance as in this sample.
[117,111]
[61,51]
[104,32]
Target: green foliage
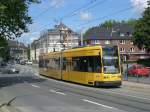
[144,62]
[141,35]
[108,23]
[4,50]
[131,22]
[14,17]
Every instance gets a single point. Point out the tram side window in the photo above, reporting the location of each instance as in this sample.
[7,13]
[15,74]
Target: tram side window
[40,63]
[53,63]
[80,64]
[46,63]
[64,64]
[87,64]
[57,63]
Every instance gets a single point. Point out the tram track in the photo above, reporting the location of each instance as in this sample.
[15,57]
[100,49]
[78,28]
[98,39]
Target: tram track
[134,103]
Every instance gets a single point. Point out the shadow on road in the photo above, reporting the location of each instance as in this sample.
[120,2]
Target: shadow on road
[13,80]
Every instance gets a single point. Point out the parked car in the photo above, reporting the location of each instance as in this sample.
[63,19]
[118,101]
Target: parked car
[139,70]
[29,62]
[10,70]
[23,62]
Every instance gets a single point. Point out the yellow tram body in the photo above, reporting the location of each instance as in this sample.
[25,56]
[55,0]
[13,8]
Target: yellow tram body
[84,65]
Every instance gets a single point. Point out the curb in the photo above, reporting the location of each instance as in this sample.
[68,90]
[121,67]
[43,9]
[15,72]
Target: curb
[4,109]
[136,85]
[8,109]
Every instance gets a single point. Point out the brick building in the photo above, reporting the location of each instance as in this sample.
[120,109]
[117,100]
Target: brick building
[118,34]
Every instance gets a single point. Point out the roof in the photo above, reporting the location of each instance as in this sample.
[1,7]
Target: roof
[116,32]
[56,30]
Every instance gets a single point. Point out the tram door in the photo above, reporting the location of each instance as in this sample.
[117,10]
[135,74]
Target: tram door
[66,68]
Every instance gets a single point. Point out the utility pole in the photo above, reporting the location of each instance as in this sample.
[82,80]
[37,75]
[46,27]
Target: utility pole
[81,38]
[82,32]
[47,38]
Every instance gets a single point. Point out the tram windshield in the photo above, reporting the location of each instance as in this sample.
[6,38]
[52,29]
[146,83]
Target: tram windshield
[111,60]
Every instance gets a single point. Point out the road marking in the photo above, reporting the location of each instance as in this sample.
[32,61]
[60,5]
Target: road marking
[61,93]
[89,101]
[35,86]
[54,91]
[142,98]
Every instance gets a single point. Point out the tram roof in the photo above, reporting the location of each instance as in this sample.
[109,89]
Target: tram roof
[80,48]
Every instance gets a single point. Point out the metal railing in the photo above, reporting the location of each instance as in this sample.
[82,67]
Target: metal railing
[138,78]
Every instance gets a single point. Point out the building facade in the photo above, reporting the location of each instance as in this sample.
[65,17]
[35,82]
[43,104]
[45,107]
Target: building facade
[61,37]
[17,50]
[118,34]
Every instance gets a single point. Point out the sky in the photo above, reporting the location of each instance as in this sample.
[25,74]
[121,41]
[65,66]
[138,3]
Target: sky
[79,15]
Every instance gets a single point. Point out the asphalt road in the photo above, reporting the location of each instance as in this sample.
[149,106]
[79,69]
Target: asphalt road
[34,93]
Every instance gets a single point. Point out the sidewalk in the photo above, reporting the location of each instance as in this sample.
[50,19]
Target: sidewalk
[136,85]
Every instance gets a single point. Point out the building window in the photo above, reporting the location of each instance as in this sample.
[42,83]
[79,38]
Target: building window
[122,41]
[122,49]
[92,42]
[97,41]
[132,49]
[143,50]
[107,42]
[131,42]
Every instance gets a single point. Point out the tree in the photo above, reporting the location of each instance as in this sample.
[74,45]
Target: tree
[14,17]
[108,23]
[4,48]
[141,35]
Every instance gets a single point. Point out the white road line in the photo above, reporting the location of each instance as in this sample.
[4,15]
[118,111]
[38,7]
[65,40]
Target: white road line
[54,91]
[61,93]
[35,86]
[89,101]
[142,98]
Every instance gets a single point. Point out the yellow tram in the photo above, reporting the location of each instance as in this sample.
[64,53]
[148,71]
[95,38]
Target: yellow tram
[90,65]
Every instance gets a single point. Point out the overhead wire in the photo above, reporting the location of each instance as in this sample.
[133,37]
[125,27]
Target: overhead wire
[99,18]
[83,8]
[111,14]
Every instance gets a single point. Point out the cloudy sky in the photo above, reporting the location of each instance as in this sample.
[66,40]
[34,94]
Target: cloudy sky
[79,14]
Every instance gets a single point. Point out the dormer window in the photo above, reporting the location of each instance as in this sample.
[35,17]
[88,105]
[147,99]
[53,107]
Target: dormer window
[128,33]
[122,35]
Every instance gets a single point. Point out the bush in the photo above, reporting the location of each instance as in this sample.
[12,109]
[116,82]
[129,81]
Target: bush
[145,62]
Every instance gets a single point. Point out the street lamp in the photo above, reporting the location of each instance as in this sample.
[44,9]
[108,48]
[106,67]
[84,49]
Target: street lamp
[63,32]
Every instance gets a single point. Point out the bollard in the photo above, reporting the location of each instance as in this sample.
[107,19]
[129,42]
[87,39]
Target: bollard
[149,75]
[137,76]
[126,76]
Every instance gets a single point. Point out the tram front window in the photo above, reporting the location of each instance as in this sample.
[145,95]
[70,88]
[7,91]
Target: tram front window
[111,65]
[110,60]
